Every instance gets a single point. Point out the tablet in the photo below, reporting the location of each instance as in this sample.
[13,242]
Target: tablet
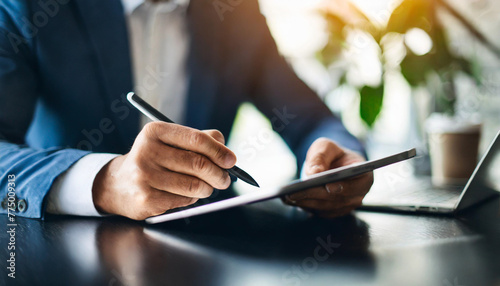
[312,181]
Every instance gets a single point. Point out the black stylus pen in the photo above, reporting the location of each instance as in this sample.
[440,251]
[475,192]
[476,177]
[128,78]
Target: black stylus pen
[156,115]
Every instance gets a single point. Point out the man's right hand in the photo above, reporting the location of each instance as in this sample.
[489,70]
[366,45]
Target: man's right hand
[159,173]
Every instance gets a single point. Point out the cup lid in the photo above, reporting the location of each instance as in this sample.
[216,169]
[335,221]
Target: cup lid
[441,123]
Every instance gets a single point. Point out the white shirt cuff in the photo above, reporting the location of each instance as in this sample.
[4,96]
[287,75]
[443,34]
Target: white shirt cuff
[71,192]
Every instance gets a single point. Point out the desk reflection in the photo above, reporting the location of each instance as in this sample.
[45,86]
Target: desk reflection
[134,258]
[238,251]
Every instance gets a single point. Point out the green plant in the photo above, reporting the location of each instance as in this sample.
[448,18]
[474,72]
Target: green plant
[418,69]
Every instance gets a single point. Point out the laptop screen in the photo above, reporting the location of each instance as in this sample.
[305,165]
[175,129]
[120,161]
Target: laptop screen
[485,181]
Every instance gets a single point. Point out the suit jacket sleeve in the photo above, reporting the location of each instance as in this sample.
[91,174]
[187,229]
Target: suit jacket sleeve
[295,111]
[34,169]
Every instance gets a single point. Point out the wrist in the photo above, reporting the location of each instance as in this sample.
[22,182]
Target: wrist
[103,184]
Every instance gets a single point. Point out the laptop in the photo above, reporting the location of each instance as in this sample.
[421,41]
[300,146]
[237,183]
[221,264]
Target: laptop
[418,194]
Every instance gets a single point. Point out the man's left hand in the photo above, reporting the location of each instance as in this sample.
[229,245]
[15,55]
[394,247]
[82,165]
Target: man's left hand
[335,199]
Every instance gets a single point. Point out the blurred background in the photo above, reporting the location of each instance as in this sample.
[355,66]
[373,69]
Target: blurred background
[383,66]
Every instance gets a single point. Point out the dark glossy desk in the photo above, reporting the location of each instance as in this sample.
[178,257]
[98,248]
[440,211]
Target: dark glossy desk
[256,246]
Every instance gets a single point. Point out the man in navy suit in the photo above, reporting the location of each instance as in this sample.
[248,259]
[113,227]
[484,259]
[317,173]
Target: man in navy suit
[70,144]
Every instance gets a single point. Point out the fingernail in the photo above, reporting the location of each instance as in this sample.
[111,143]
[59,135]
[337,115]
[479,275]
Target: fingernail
[341,188]
[328,189]
[334,189]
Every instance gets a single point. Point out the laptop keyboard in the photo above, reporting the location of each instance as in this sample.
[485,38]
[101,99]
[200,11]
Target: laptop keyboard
[414,193]
[428,196]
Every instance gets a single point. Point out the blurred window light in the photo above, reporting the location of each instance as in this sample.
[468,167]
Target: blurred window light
[379,11]
[394,50]
[418,41]
[296,25]
[364,55]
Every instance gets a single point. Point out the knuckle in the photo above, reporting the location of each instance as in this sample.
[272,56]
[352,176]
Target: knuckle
[200,163]
[218,136]
[318,159]
[219,154]
[151,129]
[183,202]
[194,186]
[224,181]
[199,189]
[197,138]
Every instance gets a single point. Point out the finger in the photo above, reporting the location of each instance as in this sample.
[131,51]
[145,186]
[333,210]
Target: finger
[179,184]
[190,163]
[216,134]
[319,193]
[193,140]
[186,162]
[320,156]
[286,200]
[158,202]
[358,186]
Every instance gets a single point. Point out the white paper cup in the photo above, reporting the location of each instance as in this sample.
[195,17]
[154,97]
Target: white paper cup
[453,146]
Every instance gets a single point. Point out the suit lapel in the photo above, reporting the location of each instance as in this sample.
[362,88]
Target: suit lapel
[108,35]
[107,31]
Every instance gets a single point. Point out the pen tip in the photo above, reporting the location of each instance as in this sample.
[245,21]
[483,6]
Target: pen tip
[252,182]
[244,176]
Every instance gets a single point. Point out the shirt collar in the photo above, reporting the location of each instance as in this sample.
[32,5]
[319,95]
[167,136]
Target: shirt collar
[130,5]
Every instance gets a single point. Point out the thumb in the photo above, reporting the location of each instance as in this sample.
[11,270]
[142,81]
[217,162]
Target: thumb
[216,134]
[320,156]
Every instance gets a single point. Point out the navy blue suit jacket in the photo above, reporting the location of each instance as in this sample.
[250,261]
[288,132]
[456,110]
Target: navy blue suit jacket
[65,68]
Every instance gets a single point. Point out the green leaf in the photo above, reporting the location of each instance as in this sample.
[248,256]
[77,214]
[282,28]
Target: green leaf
[371,103]
[472,68]
[441,54]
[415,68]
